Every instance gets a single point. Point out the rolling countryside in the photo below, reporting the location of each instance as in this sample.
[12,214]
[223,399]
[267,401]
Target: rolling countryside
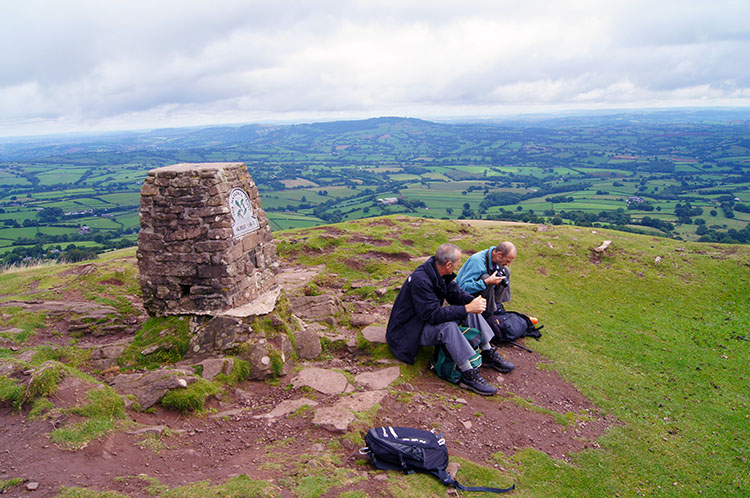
[677,174]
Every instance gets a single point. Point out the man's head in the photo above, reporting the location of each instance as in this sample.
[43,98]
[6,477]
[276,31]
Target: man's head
[447,258]
[504,254]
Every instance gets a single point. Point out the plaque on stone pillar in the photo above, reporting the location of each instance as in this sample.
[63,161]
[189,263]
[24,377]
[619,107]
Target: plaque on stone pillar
[244,221]
[205,244]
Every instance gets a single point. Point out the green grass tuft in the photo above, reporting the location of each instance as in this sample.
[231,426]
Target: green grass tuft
[192,398]
[11,392]
[102,402]
[151,442]
[39,408]
[277,363]
[241,486]
[318,475]
[171,334]
[353,494]
[44,380]
[7,484]
[76,436]
[103,410]
[77,492]
[241,372]
[564,420]
[70,355]
[27,322]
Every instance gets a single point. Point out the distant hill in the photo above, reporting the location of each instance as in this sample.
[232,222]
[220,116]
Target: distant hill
[36,147]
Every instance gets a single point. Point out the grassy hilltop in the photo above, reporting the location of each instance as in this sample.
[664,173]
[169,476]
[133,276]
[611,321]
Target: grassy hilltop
[655,335]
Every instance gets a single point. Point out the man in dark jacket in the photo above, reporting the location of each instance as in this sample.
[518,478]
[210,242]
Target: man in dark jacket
[418,318]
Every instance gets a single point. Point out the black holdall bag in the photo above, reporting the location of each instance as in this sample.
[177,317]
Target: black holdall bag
[414,450]
[509,326]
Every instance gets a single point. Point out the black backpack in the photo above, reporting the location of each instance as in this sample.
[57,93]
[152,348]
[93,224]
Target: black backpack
[414,450]
[509,326]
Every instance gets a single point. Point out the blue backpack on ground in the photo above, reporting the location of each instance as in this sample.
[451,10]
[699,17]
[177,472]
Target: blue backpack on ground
[414,450]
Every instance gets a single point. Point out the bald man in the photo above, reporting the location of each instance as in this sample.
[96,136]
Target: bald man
[487,274]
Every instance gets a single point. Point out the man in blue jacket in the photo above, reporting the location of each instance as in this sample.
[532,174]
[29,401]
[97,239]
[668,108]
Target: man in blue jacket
[418,318]
[487,274]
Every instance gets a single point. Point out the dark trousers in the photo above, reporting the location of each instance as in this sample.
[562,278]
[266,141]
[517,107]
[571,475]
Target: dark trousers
[448,333]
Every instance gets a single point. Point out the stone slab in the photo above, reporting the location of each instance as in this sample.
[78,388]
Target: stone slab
[378,379]
[308,344]
[362,401]
[262,305]
[322,380]
[214,366]
[150,387]
[333,418]
[288,406]
[363,319]
[374,333]
[196,167]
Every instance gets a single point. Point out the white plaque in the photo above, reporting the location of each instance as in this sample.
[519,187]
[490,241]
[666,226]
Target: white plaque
[243,219]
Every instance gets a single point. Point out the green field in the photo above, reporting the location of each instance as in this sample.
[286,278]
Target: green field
[61,175]
[122,199]
[30,232]
[285,221]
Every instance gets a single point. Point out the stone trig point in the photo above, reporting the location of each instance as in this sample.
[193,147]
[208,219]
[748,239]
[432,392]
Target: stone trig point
[205,246]
[205,250]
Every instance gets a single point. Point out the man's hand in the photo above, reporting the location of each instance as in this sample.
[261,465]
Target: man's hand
[494,279]
[478,305]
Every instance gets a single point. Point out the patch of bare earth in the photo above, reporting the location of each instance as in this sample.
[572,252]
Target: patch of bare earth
[363,239]
[486,425]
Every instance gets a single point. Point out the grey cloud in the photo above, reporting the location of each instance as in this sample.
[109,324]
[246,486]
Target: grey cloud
[83,61]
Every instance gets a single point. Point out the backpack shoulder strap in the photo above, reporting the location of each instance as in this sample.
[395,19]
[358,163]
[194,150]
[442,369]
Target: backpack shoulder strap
[446,479]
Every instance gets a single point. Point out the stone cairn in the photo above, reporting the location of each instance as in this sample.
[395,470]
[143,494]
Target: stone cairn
[206,250]
[205,244]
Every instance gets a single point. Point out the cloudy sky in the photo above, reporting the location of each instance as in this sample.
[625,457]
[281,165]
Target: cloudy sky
[78,65]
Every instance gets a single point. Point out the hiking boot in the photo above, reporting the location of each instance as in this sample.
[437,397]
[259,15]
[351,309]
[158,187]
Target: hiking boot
[473,381]
[491,359]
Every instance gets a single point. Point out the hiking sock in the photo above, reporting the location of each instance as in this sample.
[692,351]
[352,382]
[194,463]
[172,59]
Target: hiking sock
[465,366]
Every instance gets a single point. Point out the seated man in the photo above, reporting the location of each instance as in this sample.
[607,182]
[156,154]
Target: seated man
[418,318]
[487,274]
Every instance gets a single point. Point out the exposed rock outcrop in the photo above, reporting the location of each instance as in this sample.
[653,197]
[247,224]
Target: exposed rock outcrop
[308,344]
[105,356]
[315,307]
[211,367]
[597,253]
[150,387]
[268,357]
[216,335]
